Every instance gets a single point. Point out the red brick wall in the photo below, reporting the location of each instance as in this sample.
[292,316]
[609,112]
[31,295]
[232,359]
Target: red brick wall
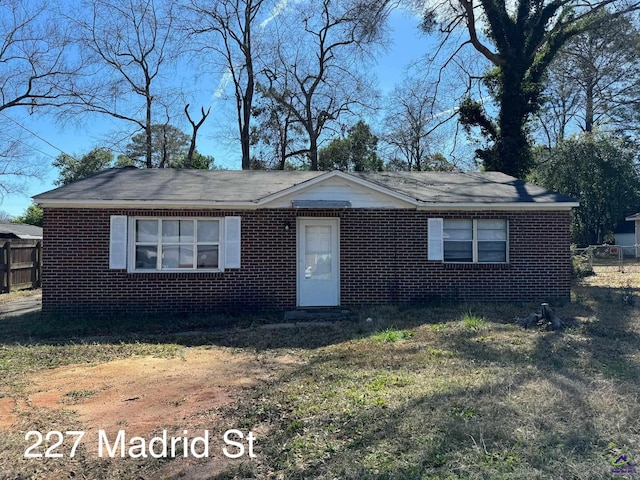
[383,258]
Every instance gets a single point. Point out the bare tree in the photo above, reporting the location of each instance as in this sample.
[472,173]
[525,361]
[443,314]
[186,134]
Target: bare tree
[226,29]
[277,138]
[34,64]
[127,44]
[314,75]
[520,41]
[412,118]
[19,163]
[561,104]
[594,82]
[33,56]
[195,126]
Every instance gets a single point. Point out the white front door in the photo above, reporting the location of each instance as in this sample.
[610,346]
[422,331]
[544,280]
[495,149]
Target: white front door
[318,262]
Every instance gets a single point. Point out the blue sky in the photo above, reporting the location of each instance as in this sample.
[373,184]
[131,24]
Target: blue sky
[407,47]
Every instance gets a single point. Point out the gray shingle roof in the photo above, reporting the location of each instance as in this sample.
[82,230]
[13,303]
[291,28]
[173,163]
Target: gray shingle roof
[229,186]
[20,230]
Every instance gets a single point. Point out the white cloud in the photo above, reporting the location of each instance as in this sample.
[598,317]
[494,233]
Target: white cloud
[222,84]
[277,10]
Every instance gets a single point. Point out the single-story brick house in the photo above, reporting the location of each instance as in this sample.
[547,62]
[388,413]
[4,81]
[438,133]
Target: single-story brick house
[192,241]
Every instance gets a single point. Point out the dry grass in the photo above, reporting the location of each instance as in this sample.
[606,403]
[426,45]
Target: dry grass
[18,295]
[435,392]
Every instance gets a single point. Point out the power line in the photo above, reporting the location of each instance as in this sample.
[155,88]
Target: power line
[37,136]
[30,146]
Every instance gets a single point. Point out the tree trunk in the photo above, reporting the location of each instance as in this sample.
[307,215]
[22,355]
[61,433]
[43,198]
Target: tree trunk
[313,152]
[512,154]
[588,108]
[147,129]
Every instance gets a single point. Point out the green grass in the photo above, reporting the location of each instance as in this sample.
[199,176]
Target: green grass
[391,335]
[473,321]
[440,392]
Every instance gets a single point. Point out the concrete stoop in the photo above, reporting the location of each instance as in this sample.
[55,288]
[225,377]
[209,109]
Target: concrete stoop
[301,315]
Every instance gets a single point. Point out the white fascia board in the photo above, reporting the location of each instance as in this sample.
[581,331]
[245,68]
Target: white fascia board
[146,204]
[263,202]
[498,206]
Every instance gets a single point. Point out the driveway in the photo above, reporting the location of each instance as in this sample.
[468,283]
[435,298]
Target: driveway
[32,303]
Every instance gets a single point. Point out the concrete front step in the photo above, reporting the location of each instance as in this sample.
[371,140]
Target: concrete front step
[316,314]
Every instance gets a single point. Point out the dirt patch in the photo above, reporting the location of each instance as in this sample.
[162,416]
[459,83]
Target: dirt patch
[144,395]
[7,415]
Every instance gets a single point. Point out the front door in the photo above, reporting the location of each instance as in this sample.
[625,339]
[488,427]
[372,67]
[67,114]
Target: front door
[318,262]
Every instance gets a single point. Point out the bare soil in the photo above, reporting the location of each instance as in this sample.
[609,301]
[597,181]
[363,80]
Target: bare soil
[145,395]
[7,413]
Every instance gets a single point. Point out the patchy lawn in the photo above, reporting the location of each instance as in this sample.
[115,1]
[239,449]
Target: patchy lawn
[439,392]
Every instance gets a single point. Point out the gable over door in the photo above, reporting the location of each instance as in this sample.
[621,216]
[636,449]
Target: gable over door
[318,262]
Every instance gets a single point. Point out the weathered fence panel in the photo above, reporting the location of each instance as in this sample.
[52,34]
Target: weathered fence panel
[20,264]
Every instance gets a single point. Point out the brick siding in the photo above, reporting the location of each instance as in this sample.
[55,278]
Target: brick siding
[383,259]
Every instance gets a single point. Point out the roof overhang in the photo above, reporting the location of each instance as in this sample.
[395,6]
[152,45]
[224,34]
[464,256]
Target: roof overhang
[498,206]
[300,204]
[147,204]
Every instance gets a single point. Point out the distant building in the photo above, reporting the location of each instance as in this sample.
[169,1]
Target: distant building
[12,231]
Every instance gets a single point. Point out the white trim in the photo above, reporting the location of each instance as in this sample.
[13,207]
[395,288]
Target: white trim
[199,204]
[131,242]
[263,202]
[232,246]
[300,261]
[149,204]
[118,237]
[498,206]
[435,240]
[474,244]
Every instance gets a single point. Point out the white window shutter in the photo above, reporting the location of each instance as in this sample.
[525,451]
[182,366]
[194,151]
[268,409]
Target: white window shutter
[118,242]
[231,242]
[435,238]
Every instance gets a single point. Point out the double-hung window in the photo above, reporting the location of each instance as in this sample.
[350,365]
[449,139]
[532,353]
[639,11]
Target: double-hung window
[475,241]
[162,244]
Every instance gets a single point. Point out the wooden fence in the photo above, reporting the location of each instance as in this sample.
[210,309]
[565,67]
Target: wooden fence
[20,264]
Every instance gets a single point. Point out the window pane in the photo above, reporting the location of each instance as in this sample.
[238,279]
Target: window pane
[146,257]
[170,256]
[318,267]
[177,256]
[208,231]
[458,229]
[318,239]
[492,252]
[458,223]
[186,231]
[207,256]
[147,231]
[186,256]
[171,231]
[492,230]
[318,252]
[458,251]
[495,224]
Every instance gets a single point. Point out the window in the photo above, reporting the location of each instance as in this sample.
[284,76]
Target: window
[475,241]
[176,244]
